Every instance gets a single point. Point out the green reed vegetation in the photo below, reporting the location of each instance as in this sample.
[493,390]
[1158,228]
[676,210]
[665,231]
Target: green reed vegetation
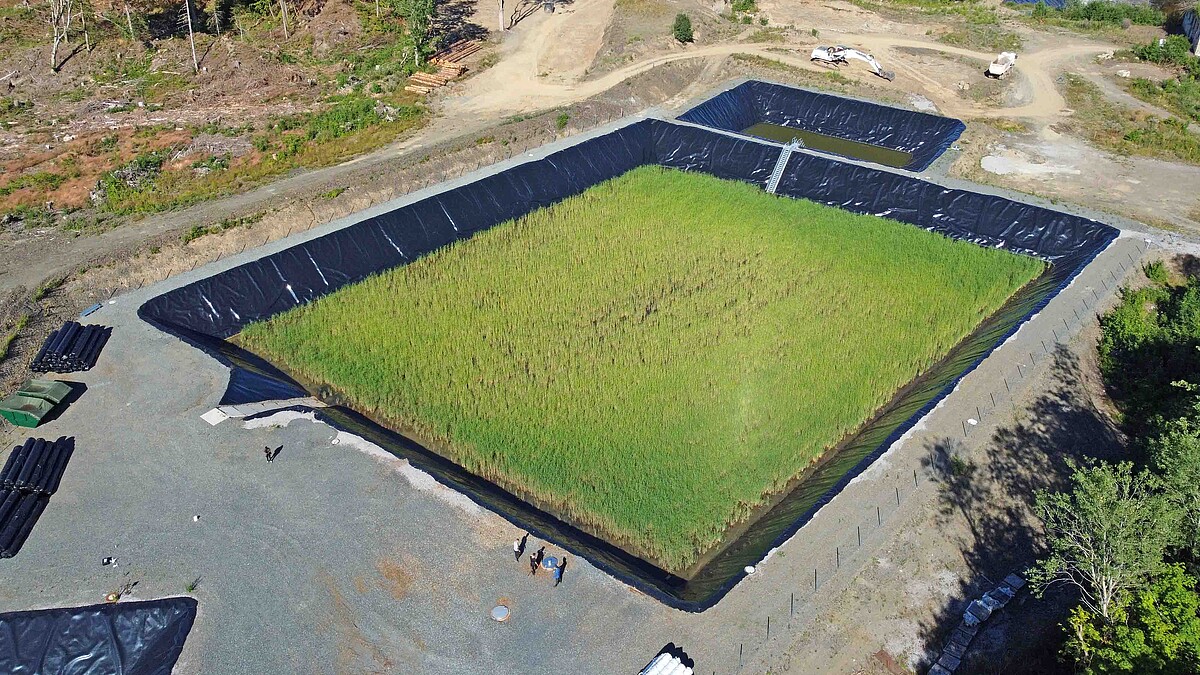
[652,358]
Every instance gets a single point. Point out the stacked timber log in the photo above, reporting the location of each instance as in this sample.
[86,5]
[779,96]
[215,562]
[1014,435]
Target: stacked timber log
[71,348]
[448,65]
[31,474]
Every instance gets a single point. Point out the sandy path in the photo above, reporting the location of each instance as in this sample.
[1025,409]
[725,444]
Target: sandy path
[524,81]
[538,71]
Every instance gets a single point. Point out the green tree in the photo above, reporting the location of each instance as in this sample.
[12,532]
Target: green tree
[1153,631]
[1106,535]
[418,22]
[1175,454]
[682,30]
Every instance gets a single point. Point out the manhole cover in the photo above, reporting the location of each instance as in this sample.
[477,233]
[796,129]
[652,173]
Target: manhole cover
[500,613]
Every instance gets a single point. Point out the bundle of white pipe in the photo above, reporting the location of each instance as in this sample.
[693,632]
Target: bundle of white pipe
[666,664]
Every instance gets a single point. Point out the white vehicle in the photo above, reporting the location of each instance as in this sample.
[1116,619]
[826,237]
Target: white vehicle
[1003,65]
[836,56]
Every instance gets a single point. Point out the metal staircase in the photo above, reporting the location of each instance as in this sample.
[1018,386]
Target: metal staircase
[784,155]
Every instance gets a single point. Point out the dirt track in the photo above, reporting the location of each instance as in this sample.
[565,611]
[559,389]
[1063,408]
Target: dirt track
[544,65]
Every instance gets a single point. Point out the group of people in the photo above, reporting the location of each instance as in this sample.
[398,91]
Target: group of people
[535,559]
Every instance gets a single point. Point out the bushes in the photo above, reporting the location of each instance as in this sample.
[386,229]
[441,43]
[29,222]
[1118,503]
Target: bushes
[1125,131]
[1147,343]
[682,29]
[1175,50]
[1112,13]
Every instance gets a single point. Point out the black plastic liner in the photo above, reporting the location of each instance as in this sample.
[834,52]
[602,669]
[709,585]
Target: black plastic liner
[124,638]
[205,312]
[30,475]
[922,135]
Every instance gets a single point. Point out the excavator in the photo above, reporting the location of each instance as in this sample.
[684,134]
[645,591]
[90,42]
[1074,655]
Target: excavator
[835,56]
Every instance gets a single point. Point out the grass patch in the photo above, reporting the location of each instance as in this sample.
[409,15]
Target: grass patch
[983,37]
[351,126]
[773,34]
[1004,124]
[333,194]
[1125,131]
[198,231]
[6,343]
[645,370]
[972,11]
[47,288]
[823,78]
[40,181]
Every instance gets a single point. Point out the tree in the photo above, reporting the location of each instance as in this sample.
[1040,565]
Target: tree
[186,20]
[1175,453]
[1106,535]
[682,30]
[418,19]
[1154,631]
[60,24]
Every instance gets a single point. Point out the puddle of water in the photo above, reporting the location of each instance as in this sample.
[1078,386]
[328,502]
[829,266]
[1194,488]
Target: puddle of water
[832,144]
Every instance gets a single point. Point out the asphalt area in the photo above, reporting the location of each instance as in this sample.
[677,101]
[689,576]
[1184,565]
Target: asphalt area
[337,557]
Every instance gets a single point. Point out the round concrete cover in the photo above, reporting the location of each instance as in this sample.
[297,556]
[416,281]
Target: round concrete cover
[500,613]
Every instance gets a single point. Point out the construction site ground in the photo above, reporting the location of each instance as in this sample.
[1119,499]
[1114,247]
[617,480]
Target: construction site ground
[337,558]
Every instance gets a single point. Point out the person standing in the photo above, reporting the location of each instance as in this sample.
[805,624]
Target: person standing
[558,571]
[535,560]
[519,546]
[267,452]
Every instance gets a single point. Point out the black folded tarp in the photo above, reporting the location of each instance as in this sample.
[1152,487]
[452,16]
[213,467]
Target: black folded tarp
[925,137]
[125,638]
[207,311]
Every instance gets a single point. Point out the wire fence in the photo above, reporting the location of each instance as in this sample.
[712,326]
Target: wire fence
[791,607]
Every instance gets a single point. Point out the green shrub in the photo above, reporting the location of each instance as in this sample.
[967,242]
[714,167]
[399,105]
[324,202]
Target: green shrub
[347,115]
[1110,12]
[1175,50]
[1157,272]
[1148,342]
[682,28]
[744,6]
[561,121]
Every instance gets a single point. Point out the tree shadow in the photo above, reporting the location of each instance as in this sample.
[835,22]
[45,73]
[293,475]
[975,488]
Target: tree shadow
[1188,265]
[527,8]
[986,502]
[452,22]
[70,55]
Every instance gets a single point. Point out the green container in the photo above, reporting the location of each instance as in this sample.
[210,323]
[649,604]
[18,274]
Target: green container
[48,390]
[25,411]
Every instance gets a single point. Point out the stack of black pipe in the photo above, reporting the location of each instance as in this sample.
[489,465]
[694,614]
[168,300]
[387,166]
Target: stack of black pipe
[71,348]
[31,474]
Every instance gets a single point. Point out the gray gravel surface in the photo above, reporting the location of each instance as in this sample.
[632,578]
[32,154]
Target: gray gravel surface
[332,559]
